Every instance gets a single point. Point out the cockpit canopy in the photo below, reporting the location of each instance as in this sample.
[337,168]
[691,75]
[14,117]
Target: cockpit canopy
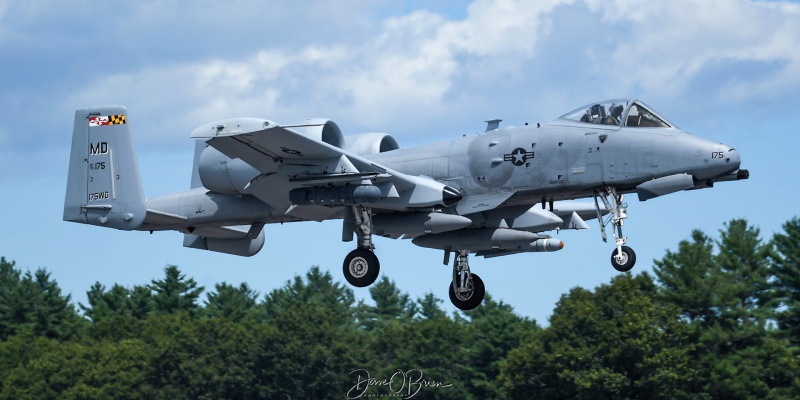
[618,112]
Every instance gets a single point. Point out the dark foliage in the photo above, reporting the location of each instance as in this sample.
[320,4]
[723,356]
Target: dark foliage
[718,319]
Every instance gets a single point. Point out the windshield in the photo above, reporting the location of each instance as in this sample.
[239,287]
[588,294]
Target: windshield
[638,116]
[618,112]
[608,113]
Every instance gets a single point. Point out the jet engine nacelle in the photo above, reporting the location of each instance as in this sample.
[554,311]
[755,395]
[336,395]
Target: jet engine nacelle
[365,144]
[321,129]
[222,174]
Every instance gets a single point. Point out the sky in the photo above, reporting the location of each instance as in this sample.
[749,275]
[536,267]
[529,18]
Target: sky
[422,71]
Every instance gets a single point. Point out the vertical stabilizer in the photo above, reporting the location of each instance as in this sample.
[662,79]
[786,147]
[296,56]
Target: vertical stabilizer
[103,183]
[199,146]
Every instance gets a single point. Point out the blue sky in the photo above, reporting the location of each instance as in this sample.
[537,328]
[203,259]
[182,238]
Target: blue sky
[421,71]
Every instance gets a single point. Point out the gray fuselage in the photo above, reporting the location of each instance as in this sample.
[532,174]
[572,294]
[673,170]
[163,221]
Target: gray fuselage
[563,160]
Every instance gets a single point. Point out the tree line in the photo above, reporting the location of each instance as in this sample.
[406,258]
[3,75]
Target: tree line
[719,318]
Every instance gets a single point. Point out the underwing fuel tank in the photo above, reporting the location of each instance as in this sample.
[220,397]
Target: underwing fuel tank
[478,239]
[418,223]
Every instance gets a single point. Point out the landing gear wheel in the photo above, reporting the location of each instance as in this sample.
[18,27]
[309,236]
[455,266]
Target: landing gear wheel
[624,263]
[470,299]
[361,267]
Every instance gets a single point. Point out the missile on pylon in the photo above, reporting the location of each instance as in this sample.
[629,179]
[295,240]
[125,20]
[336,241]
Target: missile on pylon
[539,246]
[394,225]
[478,239]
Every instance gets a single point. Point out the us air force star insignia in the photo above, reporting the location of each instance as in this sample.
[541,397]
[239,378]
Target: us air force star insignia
[518,156]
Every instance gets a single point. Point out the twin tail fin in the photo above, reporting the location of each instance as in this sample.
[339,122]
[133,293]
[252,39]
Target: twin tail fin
[103,183]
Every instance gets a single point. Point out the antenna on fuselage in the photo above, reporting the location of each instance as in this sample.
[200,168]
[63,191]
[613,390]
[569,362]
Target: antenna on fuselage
[492,124]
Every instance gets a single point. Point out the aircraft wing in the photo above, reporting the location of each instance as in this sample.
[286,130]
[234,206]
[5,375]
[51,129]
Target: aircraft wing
[483,202]
[309,156]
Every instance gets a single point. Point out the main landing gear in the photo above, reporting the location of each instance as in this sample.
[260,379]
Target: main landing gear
[361,266]
[623,258]
[466,289]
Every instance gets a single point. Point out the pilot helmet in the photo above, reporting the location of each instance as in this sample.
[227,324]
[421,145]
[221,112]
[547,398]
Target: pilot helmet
[616,110]
[597,111]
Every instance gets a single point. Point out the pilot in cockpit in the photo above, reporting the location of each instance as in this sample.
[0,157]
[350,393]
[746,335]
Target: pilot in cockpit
[616,114]
[597,115]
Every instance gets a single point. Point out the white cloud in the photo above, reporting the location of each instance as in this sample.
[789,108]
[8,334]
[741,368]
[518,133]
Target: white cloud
[4,31]
[503,26]
[173,98]
[420,57]
[666,45]
[401,73]
[423,68]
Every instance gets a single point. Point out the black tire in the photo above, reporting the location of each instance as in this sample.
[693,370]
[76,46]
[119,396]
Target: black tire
[473,301]
[629,259]
[361,267]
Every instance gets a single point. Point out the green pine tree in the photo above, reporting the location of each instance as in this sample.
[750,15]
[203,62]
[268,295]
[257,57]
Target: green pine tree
[786,267]
[175,293]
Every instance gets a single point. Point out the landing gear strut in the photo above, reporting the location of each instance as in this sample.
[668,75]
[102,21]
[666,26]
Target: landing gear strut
[361,266]
[466,289]
[623,258]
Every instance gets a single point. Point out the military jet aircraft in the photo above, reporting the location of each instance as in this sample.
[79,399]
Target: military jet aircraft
[490,194]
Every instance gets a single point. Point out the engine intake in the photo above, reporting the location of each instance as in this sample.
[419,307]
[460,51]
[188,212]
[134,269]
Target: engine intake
[365,144]
[320,129]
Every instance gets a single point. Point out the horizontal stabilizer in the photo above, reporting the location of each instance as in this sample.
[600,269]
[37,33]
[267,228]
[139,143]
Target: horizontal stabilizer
[222,232]
[160,218]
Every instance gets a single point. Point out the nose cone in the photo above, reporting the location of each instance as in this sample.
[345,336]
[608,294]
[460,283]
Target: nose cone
[733,157]
[717,159]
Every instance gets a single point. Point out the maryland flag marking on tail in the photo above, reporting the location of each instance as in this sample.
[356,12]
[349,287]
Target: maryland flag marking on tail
[101,120]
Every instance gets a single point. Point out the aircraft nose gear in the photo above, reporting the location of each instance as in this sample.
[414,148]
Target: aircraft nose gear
[467,289]
[623,258]
[361,267]
[623,261]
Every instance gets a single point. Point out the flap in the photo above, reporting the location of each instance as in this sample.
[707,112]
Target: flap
[154,217]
